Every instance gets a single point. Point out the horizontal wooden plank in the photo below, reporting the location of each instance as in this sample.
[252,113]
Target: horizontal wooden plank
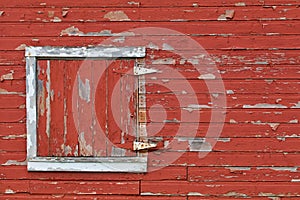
[71,187]
[36,30]
[220,57]
[207,42]
[147,14]
[12,72]
[235,197]
[12,101]
[242,159]
[228,58]
[20,172]
[90,197]
[12,129]
[183,143]
[188,71]
[222,189]
[266,86]
[12,115]
[201,101]
[13,144]
[178,115]
[230,130]
[144,3]
[254,116]
[194,86]
[13,186]
[12,87]
[226,174]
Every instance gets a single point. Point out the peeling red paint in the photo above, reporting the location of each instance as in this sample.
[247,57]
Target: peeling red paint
[255,45]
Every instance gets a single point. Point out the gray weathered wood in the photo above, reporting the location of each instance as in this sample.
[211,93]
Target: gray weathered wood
[31,106]
[85,52]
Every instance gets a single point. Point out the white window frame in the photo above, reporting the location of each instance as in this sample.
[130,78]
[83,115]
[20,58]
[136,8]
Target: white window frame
[81,164]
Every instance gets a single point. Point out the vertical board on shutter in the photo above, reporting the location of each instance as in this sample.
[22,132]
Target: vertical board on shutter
[121,87]
[70,133]
[43,109]
[100,108]
[57,108]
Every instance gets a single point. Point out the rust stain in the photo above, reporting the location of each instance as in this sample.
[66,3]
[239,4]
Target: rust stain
[116,16]
[142,116]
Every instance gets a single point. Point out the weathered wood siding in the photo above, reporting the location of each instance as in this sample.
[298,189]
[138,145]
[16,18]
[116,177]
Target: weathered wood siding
[256,47]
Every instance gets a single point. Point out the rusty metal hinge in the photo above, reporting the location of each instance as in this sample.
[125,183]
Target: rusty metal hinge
[138,146]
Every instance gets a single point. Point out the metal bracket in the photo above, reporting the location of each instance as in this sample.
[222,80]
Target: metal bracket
[138,146]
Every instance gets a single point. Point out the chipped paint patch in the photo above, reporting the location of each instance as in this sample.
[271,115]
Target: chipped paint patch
[84,89]
[71,31]
[207,77]
[293,121]
[9,191]
[232,121]
[265,105]
[193,107]
[134,3]
[8,137]
[171,121]
[229,92]
[295,180]
[223,139]
[56,19]
[297,105]
[85,148]
[116,16]
[229,14]
[164,61]
[9,76]
[238,168]
[235,194]
[67,149]
[274,126]
[290,169]
[167,47]
[195,194]
[15,162]
[240,4]
[21,47]
[199,145]
[266,194]
[152,46]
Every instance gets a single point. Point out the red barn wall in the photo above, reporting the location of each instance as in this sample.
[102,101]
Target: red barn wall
[255,43]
